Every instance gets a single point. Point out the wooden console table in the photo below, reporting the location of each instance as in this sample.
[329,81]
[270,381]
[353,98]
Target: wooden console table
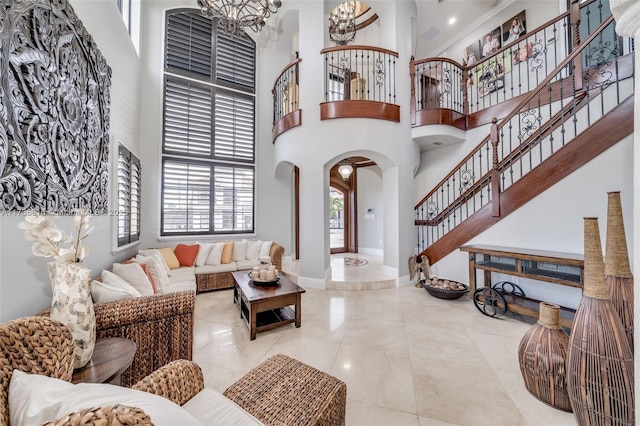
[558,268]
[111,356]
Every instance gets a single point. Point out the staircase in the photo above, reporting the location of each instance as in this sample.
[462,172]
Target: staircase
[582,108]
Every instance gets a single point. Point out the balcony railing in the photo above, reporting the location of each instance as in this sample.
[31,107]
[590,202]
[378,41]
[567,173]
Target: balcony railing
[564,105]
[437,91]
[286,100]
[507,75]
[360,81]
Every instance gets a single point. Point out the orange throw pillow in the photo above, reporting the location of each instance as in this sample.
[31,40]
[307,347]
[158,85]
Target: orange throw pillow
[186,254]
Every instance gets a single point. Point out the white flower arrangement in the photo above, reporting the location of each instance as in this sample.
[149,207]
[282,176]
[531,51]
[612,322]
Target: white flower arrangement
[47,237]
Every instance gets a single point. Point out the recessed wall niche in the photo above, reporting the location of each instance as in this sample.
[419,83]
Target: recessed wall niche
[54,110]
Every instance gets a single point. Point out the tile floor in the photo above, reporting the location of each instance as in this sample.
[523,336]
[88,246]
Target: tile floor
[407,358]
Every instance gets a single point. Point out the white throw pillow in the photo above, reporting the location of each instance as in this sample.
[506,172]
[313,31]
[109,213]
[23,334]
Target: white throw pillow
[239,250]
[134,275]
[266,249]
[211,407]
[102,292]
[203,253]
[215,255]
[155,269]
[114,280]
[253,250]
[35,399]
[155,252]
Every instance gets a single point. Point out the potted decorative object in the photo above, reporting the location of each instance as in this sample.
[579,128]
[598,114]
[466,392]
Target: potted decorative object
[616,266]
[71,303]
[542,355]
[600,363]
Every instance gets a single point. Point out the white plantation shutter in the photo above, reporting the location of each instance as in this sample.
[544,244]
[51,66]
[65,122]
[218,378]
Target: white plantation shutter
[128,212]
[208,155]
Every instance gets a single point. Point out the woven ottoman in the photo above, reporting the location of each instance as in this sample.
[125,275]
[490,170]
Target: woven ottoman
[283,391]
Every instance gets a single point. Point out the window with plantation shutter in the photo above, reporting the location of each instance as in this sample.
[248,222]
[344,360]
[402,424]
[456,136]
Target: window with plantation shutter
[235,60]
[186,187]
[208,145]
[129,191]
[234,133]
[189,39]
[233,198]
[187,118]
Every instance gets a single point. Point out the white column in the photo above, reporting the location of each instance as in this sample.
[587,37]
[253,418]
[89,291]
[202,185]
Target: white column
[627,16]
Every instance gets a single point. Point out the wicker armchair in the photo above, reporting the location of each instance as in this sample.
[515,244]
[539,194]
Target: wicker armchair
[161,327]
[281,390]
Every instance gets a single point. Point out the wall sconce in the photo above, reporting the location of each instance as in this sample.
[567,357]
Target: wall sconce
[345,169]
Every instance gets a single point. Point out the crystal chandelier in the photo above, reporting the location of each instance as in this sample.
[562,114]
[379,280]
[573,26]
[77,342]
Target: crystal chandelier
[234,16]
[342,23]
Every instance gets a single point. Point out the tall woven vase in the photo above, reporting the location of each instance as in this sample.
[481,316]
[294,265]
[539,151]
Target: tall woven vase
[600,363]
[71,304]
[616,266]
[542,355]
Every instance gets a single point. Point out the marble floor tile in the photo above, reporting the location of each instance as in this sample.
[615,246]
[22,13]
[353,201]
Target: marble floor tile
[407,357]
[363,414]
[375,377]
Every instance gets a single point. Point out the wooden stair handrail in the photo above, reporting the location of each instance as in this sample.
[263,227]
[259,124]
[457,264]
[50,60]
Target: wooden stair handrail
[285,69]
[549,125]
[559,69]
[524,102]
[359,47]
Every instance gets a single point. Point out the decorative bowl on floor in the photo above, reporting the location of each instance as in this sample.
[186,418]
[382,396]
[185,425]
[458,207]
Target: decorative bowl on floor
[445,289]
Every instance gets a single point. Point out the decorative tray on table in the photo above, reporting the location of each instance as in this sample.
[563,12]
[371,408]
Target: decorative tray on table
[264,283]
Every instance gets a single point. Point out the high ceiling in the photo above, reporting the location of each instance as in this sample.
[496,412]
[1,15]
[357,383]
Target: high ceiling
[435,34]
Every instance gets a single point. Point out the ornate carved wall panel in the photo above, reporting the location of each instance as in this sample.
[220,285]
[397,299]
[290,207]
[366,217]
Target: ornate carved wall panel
[54,110]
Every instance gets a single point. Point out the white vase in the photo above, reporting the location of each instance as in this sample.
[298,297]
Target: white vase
[72,305]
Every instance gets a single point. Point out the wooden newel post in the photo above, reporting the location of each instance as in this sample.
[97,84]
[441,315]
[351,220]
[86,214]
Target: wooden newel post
[412,101]
[495,173]
[574,20]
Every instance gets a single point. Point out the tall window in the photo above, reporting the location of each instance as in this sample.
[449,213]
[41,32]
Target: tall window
[125,10]
[208,149]
[128,213]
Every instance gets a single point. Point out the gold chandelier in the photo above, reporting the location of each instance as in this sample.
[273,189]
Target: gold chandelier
[235,16]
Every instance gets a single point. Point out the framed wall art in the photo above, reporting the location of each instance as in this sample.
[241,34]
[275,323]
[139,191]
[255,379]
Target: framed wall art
[54,111]
[514,28]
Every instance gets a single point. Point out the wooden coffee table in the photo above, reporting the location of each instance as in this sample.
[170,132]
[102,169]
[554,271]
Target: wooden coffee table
[264,308]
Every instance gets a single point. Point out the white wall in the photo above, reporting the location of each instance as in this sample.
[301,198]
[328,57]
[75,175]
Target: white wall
[538,12]
[370,224]
[24,285]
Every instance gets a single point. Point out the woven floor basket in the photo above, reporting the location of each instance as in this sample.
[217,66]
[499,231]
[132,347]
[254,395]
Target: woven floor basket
[600,363]
[616,266]
[542,355]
